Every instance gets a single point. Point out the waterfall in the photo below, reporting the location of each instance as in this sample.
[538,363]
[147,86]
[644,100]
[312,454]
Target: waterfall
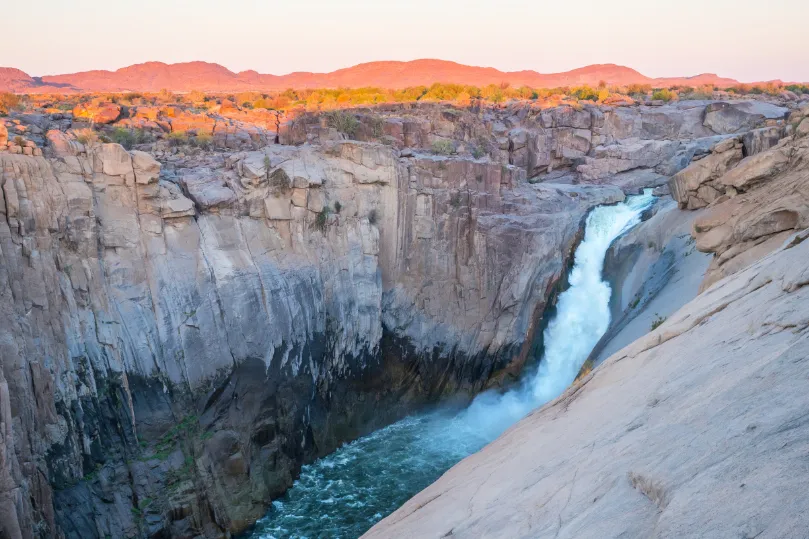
[347,492]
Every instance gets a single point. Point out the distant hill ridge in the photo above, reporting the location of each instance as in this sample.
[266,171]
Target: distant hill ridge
[206,76]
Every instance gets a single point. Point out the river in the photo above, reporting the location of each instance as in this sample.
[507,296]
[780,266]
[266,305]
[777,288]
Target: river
[346,493]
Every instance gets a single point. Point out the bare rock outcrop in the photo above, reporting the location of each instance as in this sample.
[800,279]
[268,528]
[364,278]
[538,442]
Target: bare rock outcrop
[592,143]
[98,113]
[753,203]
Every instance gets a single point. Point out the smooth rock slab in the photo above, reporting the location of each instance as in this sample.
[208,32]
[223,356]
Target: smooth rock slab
[695,430]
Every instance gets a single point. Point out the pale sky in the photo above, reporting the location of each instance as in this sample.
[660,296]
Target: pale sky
[749,40]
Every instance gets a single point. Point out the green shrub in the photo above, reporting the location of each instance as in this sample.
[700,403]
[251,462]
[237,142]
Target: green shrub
[337,206]
[798,88]
[658,321]
[322,219]
[344,122]
[585,93]
[443,147]
[663,94]
[372,217]
[128,137]
[377,125]
[9,102]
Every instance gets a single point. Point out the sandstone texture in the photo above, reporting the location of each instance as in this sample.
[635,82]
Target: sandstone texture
[695,430]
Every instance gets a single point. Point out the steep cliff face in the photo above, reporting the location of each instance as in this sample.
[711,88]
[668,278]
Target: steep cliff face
[628,146]
[695,429]
[179,332]
[174,350]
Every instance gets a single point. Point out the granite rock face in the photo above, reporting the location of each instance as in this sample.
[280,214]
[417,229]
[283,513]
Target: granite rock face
[182,329]
[176,345]
[695,430]
[591,143]
[753,203]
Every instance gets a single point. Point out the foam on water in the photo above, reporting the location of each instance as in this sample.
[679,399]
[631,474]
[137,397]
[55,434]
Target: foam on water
[344,494]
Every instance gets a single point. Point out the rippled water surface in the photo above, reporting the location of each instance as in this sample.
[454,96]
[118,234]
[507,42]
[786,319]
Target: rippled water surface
[344,494]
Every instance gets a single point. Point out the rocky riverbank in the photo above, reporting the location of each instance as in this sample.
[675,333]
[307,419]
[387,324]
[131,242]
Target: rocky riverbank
[181,328]
[696,428]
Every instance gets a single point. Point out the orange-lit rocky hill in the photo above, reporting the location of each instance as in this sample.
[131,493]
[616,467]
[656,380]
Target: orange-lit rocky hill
[183,77]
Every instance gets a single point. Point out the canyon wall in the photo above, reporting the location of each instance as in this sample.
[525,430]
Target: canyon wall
[695,429]
[181,329]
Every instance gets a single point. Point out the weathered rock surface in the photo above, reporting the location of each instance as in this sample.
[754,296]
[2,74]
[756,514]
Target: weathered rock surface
[695,430]
[754,203]
[653,270]
[595,143]
[174,350]
[182,328]
[99,113]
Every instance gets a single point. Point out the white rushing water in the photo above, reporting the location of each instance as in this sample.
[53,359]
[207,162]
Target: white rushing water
[345,493]
[582,318]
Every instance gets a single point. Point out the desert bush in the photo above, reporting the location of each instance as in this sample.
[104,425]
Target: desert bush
[703,92]
[337,206]
[372,217]
[129,137]
[663,94]
[443,147]
[492,93]
[165,95]
[798,88]
[377,125]
[86,135]
[344,122]
[638,89]
[585,93]
[9,102]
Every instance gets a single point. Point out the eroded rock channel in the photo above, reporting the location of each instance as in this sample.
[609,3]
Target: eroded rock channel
[181,332]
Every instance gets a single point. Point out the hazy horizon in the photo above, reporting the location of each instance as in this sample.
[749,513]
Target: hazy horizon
[731,39]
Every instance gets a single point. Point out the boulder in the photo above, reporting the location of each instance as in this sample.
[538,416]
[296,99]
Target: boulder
[146,167]
[277,208]
[113,160]
[685,185]
[208,191]
[803,128]
[299,197]
[759,140]
[724,118]
[757,168]
[97,113]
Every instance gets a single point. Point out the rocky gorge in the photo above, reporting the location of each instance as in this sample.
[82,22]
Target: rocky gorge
[182,328]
